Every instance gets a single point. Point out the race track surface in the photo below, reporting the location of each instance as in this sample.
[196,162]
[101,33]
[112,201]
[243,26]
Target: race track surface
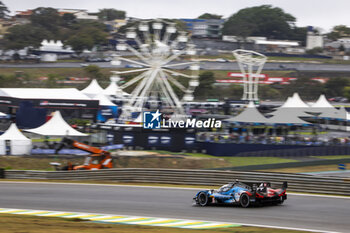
[310,212]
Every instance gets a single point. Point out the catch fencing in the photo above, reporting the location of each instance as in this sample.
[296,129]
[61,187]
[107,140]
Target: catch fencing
[296,182]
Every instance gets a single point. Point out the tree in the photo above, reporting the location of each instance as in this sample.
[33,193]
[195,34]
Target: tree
[315,50]
[93,71]
[47,18]
[21,36]
[308,89]
[86,38]
[206,81]
[3,10]
[338,32]
[335,86]
[68,19]
[209,16]
[265,20]
[109,14]
[46,23]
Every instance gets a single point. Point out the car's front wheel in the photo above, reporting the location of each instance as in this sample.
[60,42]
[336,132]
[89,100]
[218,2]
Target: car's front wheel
[244,200]
[202,199]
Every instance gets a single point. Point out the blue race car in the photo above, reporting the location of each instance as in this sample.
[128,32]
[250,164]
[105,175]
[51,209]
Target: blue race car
[244,194]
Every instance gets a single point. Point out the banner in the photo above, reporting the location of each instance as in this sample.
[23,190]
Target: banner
[107,112]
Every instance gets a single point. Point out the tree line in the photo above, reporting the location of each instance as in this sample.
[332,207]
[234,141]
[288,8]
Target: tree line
[47,23]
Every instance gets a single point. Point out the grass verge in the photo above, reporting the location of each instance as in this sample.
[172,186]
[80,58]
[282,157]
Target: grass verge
[320,168]
[32,224]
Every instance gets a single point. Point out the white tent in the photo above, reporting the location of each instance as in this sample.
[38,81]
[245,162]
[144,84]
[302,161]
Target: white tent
[56,126]
[19,144]
[92,89]
[44,93]
[104,101]
[322,102]
[249,115]
[290,111]
[294,102]
[114,89]
[323,108]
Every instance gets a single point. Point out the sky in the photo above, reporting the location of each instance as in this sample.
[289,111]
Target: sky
[322,14]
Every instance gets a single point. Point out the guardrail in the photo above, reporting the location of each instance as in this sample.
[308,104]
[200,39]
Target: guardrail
[296,182]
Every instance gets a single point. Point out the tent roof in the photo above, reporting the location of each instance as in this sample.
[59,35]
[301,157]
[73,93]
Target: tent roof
[287,116]
[13,133]
[114,89]
[56,126]
[322,102]
[340,113]
[104,101]
[294,102]
[43,93]
[249,115]
[92,88]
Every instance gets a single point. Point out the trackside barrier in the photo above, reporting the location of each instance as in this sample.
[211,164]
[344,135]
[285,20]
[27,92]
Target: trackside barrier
[296,182]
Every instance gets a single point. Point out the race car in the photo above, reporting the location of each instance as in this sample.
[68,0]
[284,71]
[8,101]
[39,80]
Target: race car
[244,194]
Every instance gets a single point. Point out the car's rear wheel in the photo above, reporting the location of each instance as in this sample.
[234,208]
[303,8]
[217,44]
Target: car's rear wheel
[281,200]
[202,199]
[244,200]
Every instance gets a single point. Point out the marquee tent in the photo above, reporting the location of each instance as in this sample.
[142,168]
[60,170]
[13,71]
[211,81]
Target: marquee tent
[19,144]
[92,89]
[56,126]
[249,115]
[103,100]
[290,112]
[44,93]
[114,89]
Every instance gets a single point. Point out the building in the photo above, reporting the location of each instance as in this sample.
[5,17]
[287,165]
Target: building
[30,106]
[78,13]
[114,25]
[23,17]
[205,28]
[313,39]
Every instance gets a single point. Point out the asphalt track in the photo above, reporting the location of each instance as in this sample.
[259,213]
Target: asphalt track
[308,212]
[204,65]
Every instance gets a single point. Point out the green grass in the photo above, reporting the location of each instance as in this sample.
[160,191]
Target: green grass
[320,168]
[33,224]
[333,157]
[42,139]
[246,161]
[236,161]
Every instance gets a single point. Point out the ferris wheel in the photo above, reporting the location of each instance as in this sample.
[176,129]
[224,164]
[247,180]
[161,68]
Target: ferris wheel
[161,58]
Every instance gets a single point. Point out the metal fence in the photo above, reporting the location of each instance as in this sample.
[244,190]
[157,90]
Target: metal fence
[296,182]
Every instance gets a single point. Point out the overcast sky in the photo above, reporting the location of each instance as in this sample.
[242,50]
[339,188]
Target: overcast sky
[323,13]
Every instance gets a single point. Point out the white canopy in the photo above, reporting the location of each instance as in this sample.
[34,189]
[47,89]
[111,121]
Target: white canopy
[290,111]
[104,101]
[114,89]
[294,102]
[56,126]
[92,89]
[19,144]
[323,108]
[43,93]
[249,115]
[322,102]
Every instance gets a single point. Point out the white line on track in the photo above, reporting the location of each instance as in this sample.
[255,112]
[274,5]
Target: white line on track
[133,217]
[161,187]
